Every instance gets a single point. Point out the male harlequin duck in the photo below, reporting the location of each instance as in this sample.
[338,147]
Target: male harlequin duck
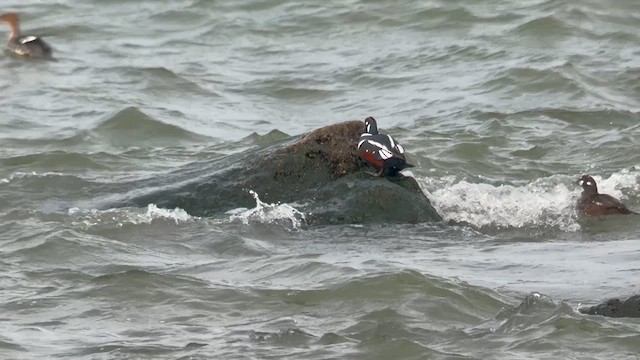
[594,204]
[380,150]
[31,46]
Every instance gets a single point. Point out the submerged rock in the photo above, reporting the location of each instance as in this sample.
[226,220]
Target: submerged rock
[320,172]
[615,308]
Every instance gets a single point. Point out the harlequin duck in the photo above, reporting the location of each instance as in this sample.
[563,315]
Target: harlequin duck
[381,151]
[594,204]
[31,46]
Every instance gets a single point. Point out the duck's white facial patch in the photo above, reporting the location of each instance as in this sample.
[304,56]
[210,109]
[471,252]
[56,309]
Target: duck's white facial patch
[27,39]
[589,183]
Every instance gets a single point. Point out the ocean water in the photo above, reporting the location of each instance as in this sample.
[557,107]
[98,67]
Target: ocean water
[502,105]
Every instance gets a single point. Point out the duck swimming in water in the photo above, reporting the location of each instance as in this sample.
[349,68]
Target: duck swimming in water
[31,46]
[593,203]
[381,151]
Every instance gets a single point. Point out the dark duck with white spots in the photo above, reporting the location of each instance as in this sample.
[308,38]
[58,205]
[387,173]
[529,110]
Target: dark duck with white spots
[31,46]
[593,203]
[381,151]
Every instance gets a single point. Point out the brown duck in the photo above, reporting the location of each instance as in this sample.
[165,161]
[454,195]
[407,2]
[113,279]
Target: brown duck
[594,204]
[31,46]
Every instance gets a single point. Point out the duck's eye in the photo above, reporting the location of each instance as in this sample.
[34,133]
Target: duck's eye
[589,183]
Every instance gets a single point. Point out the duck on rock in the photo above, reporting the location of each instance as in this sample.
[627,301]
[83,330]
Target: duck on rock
[381,151]
[593,203]
[31,46]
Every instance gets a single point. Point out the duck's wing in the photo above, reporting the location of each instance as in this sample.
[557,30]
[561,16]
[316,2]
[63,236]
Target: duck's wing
[384,144]
[371,145]
[610,202]
[34,46]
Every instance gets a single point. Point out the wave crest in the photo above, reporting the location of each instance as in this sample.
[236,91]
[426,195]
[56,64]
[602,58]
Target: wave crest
[546,202]
[128,216]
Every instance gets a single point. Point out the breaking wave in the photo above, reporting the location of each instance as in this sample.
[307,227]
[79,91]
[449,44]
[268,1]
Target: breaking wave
[546,202]
[128,216]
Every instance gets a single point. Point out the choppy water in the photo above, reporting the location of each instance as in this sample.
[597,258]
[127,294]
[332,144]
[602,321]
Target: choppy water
[501,104]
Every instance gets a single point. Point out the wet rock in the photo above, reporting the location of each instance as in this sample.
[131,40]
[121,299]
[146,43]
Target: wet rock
[320,173]
[615,308]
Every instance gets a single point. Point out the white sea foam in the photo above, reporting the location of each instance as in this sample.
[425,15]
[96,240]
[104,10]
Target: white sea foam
[178,215]
[282,214]
[21,175]
[546,202]
[129,216]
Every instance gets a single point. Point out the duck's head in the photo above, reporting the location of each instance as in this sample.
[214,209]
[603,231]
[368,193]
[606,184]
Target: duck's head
[10,18]
[588,184]
[370,126]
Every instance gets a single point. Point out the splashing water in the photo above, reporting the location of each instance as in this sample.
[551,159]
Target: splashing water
[484,205]
[281,214]
[124,216]
[548,202]
[178,215]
